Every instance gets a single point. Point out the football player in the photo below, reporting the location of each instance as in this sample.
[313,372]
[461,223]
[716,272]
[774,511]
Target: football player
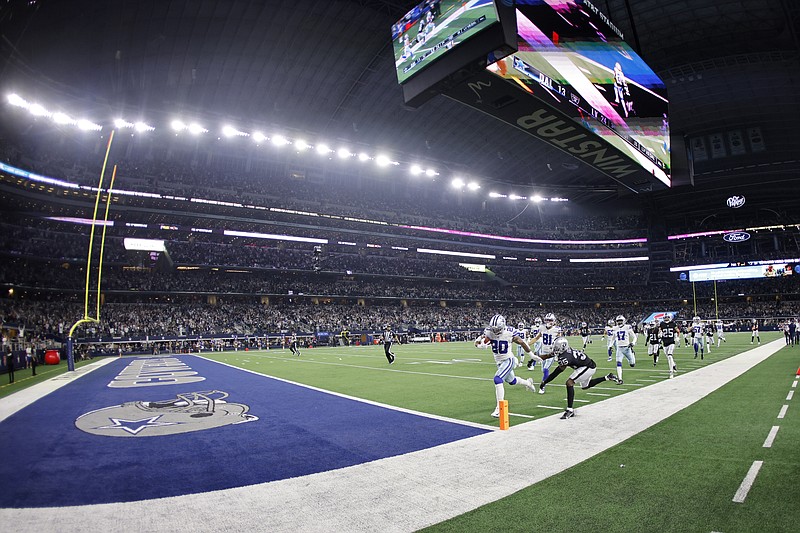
[668,333]
[294,346]
[610,338]
[754,334]
[720,332]
[709,337]
[653,335]
[533,335]
[686,332]
[583,370]
[697,336]
[585,334]
[547,334]
[625,340]
[500,337]
[524,335]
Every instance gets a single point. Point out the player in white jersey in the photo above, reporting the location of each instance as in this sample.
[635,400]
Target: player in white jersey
[547,335]
[697,337]
[625,340]
[755,334]
[524,335]
[533,336]
[500,337]
[720,332]
[610,338]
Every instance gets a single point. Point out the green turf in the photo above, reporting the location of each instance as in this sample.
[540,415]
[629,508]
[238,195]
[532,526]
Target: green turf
[455,379]
[679,475]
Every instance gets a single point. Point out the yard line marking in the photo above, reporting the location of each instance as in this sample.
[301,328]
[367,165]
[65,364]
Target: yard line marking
[744,488]
[783,411]
[582,401]
[523,416]
[550,407]
[598,394]
[649,380]
[771,437]
[607,388]
[789,396]
[634,384]
[794,385]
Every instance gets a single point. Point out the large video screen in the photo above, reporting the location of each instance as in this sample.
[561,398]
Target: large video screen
[433,28]
[742,272]
[571,56]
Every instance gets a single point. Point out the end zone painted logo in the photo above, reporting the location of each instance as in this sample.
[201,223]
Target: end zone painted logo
[736,202]
[736,236]
[187,412]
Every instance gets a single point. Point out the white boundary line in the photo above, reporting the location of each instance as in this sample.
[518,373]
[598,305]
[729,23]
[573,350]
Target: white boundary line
[771,437]
[783,411]
[790,395]
[747,483]
[794,385]
[405,492]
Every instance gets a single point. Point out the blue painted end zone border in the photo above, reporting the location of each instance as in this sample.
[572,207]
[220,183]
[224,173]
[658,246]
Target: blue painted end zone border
[298,431]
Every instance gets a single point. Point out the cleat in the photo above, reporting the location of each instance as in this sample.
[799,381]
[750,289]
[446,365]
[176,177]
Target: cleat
[615,379]
[496,412]
[391,361]
[568,414]
[530,385]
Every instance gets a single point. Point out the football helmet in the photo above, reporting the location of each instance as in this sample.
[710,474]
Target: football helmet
[549,319]
[696,320]
[537,321]
[667,318]
[521,325]
[620,320]
[583,324]
[497,323]
[560,345]
[611,322]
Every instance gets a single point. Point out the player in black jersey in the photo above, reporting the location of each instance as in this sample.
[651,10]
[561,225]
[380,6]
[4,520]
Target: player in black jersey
[585,332]
[653,334]
[388,339]
[294,346]
[583,370]
[669,332]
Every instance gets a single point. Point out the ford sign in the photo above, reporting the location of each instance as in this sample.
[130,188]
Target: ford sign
[736,236]
[736,202]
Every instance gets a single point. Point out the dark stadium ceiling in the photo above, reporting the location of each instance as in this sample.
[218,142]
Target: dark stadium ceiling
[325,67]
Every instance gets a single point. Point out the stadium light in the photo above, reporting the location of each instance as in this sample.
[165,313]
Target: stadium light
[415,170]
[457,183]
[536,199]
[121,123]
[279,140]
[196,129]
[87,125]
[363,157]
[343,153]
[497,195]
[383,160]
[62,118]
[141,127]
[301,145]
[516,197]
[259,137]
[227,131]
[177,125]
[17,100]
[431,173]
[39,111]
[473,186]
[323,149]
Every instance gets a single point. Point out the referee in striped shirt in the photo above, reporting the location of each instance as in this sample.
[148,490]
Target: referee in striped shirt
[388,339]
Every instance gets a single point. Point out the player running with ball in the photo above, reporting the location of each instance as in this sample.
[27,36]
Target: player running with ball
[500,337]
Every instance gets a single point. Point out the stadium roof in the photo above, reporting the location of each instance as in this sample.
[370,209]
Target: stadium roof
[325,68]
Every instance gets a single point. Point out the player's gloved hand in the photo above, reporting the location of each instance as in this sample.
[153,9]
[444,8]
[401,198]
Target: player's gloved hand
[533,357]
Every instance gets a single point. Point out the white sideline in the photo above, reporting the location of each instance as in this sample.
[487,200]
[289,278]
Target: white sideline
[406,492]
[783,411]
[771,437]
[23,398]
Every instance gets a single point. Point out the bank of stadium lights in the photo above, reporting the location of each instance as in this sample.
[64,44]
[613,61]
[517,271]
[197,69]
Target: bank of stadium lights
[194,128]
[322,149]
[344,153]
[363,157]
[230,131]
[140,127]
[416,170]
[58,117]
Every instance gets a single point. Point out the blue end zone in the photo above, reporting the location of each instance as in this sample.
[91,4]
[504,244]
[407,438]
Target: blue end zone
[297,432]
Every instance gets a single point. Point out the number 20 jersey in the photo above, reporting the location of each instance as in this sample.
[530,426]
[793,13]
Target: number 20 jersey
[501,342]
